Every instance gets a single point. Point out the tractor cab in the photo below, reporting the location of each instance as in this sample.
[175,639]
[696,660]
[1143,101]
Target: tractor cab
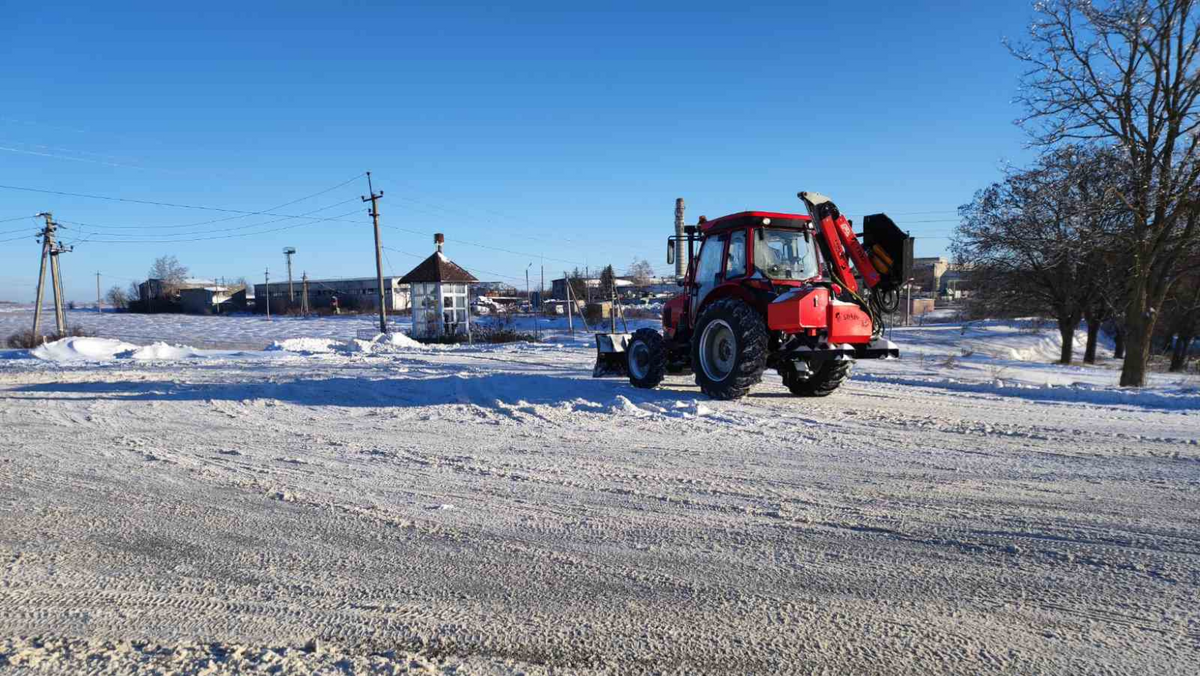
[753,255]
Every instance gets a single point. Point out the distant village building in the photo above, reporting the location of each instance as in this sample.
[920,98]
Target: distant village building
[360,293]
[558,287]
[213,300]
[927,273]
[161,289]
[441,293]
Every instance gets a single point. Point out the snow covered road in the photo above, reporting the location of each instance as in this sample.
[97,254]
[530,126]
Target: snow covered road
[495,510]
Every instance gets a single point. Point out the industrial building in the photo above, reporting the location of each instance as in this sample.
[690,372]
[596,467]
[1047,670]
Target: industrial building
[357,294]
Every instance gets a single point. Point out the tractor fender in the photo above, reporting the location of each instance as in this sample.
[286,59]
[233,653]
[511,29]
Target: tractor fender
[737,291]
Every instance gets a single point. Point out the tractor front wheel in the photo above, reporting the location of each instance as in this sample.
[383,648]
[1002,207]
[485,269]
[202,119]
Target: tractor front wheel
[647,358]
[822,382]
[729,349]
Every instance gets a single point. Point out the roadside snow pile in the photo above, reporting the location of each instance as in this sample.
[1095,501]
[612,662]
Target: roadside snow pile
[402,340]
[81,349]
[307,345]
[395,342]
[105,349]
[160,351]
[1181,396]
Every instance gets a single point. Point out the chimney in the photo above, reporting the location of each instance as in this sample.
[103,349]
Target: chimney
[439,239]
[680,263]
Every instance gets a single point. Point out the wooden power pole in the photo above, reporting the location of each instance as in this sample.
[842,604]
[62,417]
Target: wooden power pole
[267,283]
[50,251]
[304,293]
[374,198]
[99,308]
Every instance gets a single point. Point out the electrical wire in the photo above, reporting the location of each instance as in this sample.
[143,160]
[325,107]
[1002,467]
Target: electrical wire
[203,239]
[209,232]
[168,204]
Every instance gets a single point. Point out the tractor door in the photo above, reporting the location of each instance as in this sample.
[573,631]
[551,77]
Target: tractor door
[709,273]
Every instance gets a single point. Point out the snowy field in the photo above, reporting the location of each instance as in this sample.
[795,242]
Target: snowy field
[330,506]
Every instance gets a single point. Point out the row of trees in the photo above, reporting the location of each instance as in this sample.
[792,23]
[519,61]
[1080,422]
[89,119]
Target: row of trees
[1105,226]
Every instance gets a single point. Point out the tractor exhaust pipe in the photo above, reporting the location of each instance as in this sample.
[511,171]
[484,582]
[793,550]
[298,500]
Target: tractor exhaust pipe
[680,261]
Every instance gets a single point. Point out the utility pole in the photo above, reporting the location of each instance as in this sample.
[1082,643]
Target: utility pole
[304,291]
[60,300]
[99,309]
[47,236]
[570,303]
[908,303]
[289,251]
[378,251]
[50,251]
[267,283]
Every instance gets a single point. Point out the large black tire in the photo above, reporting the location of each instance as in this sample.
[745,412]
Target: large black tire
[822,383]
[729,349]
[647,358]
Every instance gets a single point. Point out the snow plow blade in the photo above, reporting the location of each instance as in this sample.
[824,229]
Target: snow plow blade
[611,359]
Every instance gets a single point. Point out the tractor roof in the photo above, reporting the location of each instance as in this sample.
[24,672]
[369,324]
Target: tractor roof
[744,219]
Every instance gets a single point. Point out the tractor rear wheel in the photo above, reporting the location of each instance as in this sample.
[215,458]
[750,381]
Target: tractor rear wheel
[647,358]
[823,381]
[729,349]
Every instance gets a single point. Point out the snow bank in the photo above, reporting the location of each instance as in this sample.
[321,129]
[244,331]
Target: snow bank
[81,349]
[104,349]
[403,340]
[161,351]
[307,345]
[1180,397]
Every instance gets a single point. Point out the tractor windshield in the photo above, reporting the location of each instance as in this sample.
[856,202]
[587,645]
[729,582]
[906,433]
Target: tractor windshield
[784,254]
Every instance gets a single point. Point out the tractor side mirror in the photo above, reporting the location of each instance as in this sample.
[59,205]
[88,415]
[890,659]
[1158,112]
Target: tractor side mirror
[670,252]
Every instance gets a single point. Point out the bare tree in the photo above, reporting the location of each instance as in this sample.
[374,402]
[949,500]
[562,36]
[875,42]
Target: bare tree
[170,271]
[641,271]
[116,297]
[1181,314]
[1031,241]
[1125,72]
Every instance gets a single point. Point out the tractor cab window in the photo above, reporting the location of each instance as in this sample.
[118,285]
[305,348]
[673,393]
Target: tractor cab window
[784,254]
[735,262]
[710,260]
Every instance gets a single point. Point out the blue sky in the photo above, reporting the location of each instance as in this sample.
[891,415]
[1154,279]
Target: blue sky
[561,134]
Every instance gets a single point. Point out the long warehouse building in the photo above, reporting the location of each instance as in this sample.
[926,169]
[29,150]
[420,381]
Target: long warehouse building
[360,293]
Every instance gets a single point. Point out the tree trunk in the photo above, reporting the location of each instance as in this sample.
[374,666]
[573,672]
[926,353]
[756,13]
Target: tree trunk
[1137,350]
[1093,329]
[1119,341]
[1179,353]
[1139,329]
[1066,328]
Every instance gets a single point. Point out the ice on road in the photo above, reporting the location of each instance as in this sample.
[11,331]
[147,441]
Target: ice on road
[494,510]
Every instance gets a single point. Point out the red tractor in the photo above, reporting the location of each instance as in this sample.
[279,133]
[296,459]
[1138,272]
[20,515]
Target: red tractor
[771,290]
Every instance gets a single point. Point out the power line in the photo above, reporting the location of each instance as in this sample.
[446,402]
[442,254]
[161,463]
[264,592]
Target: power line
[202,239]
[489,247]
[206,232]
[18,218]
[169,204]
[32,233]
